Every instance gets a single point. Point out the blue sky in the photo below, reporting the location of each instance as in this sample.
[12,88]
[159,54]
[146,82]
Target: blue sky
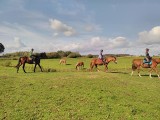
[85,26]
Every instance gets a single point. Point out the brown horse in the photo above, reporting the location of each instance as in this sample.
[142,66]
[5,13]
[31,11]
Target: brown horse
[24,60]
[96,61]
[62,61]
[138,63]
[79,65]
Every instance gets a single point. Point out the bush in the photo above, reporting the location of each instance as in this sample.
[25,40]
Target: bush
[6,64]
[49,70]
[53,55]
[90,56]
[74,55]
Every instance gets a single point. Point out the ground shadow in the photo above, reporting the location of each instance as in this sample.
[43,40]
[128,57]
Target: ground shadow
[68,64]
[148,75]
[117,72]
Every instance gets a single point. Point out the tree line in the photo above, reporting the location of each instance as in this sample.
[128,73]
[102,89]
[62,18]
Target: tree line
[51,55]
[44,55]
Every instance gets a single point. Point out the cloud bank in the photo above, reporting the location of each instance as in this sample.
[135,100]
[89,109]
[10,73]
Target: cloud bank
[61,28]
[150,37]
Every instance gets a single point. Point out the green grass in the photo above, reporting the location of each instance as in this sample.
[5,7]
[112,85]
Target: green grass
[69,94]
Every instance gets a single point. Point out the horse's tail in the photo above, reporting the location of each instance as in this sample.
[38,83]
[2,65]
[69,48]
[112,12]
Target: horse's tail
[134,67]
[76,66]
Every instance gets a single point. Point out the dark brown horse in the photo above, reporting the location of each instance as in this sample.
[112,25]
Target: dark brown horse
[96,61]
[138,63]
[79,65]
[24,60]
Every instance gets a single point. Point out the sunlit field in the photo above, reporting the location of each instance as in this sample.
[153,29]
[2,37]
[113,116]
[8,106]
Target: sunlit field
[63,93]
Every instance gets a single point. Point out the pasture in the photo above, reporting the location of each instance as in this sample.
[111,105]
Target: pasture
[63,93]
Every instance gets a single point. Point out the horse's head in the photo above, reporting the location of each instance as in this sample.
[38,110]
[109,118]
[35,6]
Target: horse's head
[111,58]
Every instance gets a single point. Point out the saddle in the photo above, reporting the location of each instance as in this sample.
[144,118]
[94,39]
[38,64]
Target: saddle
[32,59]
[147,62]
[102,61]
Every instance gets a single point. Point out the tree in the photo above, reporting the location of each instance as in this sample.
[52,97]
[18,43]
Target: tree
[1,48]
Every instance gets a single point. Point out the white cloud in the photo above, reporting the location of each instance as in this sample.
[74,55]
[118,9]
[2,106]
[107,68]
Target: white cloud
[16,45]
[109,43]
[119,42]
[60,27]
[96,41]
[150,37]
[73,46]
[92,27]
[94,44]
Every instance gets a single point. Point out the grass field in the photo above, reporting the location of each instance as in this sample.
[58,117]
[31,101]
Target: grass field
[68,94]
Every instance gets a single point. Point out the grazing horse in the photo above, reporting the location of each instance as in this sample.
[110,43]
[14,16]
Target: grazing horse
[24,60]
[138,63]
[96,61]
[79,65]
[62,61]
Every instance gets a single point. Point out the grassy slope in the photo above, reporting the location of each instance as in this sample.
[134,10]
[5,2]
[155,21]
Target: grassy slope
[70,94]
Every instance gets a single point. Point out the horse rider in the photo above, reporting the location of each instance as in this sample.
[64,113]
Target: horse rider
[101,57]
[31,55]
[148,58]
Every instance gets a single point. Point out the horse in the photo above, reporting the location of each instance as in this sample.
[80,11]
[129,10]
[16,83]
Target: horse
[79,65]
[96,61]
[62,61]
[25,59]
[138,63]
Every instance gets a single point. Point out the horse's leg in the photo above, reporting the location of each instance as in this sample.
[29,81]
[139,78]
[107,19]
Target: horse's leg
[138,68]
[35,67]
[40,67]
[132,73]
[106,68]
[156,72]
[150,72]
[97,67]
[91,66]
[18,67]
[133,68]
[24,67]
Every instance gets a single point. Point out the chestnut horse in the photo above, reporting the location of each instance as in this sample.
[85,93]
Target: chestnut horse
[96,61]
[138,63]
[62,61]
[79,65]
[24,60]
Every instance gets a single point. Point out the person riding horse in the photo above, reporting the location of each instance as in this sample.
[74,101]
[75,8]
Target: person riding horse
[32,56]
[101,57]
[148,57]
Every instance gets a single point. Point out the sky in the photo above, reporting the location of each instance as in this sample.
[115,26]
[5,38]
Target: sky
[84,26]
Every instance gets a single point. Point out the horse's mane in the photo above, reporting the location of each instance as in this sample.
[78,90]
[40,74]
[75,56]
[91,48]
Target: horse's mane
[112,56]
